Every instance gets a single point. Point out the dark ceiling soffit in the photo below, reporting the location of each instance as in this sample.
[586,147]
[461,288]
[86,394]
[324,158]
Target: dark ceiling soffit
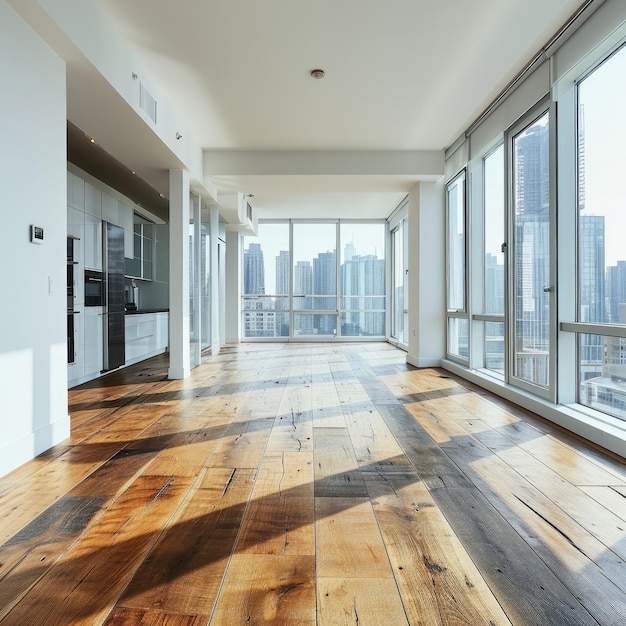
[92,159]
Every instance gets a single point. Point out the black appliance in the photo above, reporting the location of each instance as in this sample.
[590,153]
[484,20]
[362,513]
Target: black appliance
[114,326]
[94,288]
[71,266]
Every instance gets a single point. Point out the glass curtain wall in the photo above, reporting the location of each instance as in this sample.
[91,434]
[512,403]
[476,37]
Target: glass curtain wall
[194,298]
[205,289]
[531,252]
[297,286]
[458,323]
[266,280]
[495,236]
[315,280]
[601,281]
[399,290]
[362,279]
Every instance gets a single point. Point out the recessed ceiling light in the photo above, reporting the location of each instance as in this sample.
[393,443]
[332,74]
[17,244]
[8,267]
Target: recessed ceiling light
[92,140]
[317,73]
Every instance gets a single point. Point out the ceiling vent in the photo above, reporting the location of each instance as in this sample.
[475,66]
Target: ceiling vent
[147,103]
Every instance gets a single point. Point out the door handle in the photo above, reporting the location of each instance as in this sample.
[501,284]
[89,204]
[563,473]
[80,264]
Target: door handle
[548,289]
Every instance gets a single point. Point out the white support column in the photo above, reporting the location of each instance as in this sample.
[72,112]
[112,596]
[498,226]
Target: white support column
[233,287]
[179,275]
[197,286]
[214,226]
[427,275]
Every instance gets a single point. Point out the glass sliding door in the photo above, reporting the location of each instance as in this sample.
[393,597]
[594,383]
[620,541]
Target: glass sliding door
[532,283]
[362,279]
[315,310]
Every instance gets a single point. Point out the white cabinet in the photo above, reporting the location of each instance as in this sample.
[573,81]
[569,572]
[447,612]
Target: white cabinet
[93,200]
[110,209]
[93,242]
[126,222]
[75,191]
[76,370]
[146,335]
[93,342]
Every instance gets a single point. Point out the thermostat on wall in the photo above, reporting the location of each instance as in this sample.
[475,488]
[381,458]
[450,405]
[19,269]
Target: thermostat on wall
[36,234]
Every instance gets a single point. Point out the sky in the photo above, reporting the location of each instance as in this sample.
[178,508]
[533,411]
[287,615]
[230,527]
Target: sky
[311,239]
[603,96]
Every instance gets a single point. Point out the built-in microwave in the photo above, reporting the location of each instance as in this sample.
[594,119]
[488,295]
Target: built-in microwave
[94,288]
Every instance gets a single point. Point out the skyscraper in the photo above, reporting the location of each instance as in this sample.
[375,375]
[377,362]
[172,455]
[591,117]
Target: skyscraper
[253,270]
[532,253]
[325,284]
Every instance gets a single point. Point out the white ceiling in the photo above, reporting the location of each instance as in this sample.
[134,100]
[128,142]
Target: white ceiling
[400,75]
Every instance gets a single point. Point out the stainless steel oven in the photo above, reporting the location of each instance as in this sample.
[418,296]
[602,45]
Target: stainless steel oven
[94,288]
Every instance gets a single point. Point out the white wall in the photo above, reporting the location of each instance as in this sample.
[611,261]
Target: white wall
[427,275]
[33,357]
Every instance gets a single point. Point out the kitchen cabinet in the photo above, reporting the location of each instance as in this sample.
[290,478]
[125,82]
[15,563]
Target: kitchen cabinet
[76,370]
[93,242]
[93,340]
[110,209]
[147,334]
[75,191]
[126,222]
[93,200]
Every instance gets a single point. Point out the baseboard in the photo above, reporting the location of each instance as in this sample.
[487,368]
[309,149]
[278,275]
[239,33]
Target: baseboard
[411,360]
[26,448]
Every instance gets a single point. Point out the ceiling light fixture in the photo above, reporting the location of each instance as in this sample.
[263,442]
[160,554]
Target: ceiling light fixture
[317,73]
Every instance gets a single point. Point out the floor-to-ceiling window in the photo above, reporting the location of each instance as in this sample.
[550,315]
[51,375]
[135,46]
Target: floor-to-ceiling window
[543,272]
[315,279]
[531,251]
[297,285]
[601,252]
[266,280]
[494,267]
[456,244]
[400,284]
[362,279]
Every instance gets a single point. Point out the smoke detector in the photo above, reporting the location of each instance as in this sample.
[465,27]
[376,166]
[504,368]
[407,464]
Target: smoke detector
[317,73]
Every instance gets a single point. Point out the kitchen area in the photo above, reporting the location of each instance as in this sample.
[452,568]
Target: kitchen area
[117,280]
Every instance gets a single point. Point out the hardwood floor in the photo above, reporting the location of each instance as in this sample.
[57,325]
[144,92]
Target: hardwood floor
[310,484]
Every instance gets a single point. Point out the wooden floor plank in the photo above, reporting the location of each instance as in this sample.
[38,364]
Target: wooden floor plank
[310,484]
[348,542]
[83,587]
[184,570]
[350,601]
[336,469]
[267,589]
[438,580]
[594,574]
[280,517]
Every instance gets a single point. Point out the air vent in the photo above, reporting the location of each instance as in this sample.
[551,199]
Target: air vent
[147,103]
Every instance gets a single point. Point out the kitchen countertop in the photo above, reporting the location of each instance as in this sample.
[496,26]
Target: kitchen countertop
[140,311]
